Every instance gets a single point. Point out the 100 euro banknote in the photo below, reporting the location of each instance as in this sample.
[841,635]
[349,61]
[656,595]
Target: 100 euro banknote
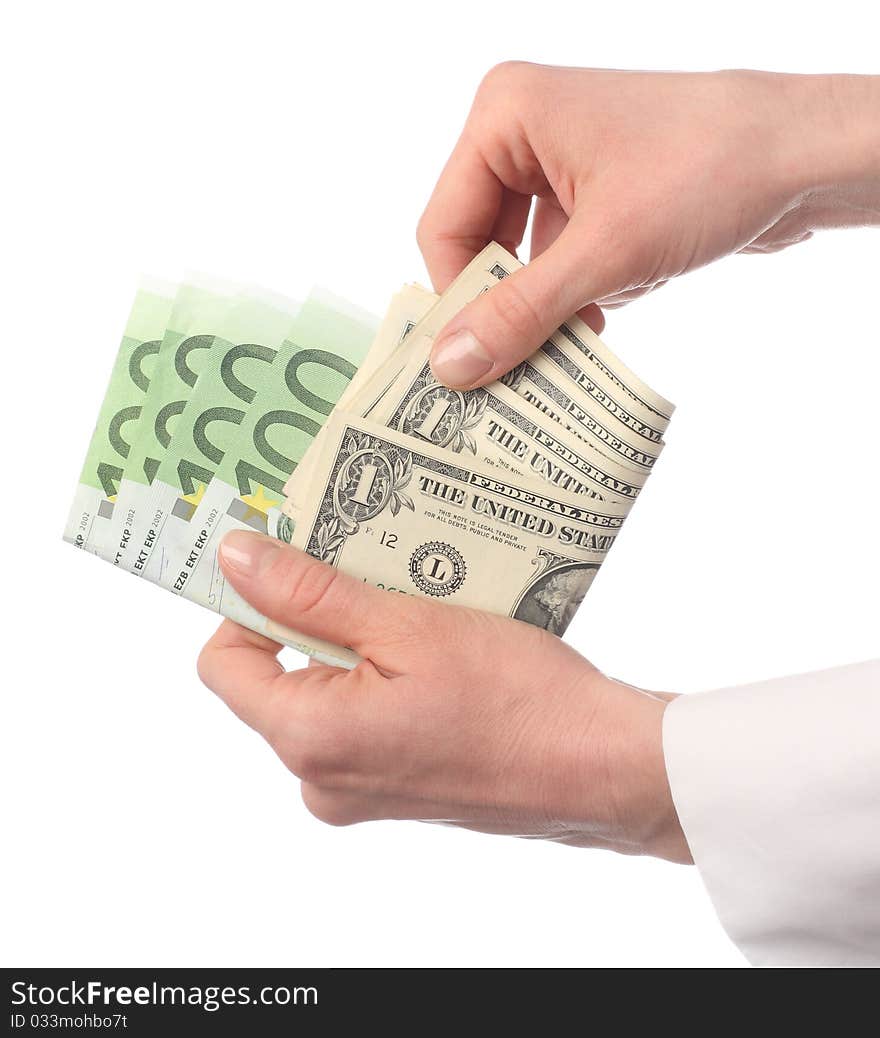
[298,390]
[247,340]
[110,447]
[192,330]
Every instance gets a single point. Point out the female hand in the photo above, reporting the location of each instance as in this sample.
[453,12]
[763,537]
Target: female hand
[454,716]
[639,177]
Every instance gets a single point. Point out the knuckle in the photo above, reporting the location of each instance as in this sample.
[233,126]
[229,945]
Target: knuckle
[308,763]
[331,807]
[424,234]
[303,585]
[205,666]
[502,77]
[317,586]
[514,310]
[310,758]
[322,748]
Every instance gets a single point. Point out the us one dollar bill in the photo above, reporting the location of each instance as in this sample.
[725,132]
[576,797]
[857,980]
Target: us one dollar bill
[556,395]
[407,516]
[503,430]
[560,361]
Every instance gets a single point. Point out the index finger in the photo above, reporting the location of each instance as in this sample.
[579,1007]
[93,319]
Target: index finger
[457,222]
[243,669]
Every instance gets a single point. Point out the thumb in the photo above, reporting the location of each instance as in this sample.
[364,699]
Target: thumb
[501,327]
[296,590]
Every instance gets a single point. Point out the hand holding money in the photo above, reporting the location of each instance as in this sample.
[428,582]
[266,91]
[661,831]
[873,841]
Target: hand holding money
[230,415]
[459,716]
[637,178]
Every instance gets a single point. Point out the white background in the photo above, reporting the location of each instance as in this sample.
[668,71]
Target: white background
[286,144]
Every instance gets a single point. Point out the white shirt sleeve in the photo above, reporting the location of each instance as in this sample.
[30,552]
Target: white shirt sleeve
[777,787]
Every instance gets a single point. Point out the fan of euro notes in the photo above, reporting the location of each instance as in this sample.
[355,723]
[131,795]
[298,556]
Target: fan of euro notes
[232,409]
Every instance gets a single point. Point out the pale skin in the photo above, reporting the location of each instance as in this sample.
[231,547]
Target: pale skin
[638,178]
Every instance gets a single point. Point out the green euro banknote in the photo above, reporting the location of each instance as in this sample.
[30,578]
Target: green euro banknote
[247,337]
[111,443]
[327,343]
[196,320]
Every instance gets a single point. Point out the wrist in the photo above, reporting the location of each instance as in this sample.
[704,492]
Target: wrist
[639,793]
[832,162]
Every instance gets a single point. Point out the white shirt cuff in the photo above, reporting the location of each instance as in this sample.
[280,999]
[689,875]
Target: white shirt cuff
[777,787]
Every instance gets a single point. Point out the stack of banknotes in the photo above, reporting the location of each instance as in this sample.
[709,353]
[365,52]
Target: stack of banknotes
[236,410]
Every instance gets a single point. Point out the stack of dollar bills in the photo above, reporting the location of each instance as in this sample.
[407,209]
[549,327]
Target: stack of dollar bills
[236,410]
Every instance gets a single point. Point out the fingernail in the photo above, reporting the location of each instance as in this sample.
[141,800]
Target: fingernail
[460,359]
[247,553]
